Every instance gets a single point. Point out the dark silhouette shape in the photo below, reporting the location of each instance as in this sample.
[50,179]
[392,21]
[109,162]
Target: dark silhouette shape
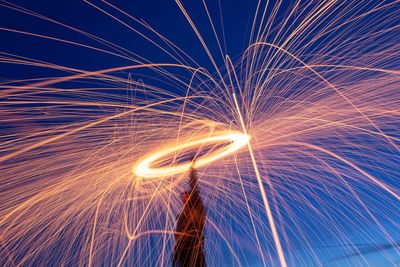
[189,237]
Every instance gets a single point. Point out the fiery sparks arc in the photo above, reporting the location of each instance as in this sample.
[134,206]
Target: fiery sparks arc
[237,140]
[297,132]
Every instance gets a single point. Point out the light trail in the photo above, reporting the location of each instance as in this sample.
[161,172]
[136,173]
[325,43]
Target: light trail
[237,141]
[296,135]
[263,194]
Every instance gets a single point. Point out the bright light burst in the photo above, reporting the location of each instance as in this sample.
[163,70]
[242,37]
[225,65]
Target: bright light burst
[297,140]
[143,167]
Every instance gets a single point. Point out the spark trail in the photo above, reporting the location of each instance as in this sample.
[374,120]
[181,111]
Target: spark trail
[296,138]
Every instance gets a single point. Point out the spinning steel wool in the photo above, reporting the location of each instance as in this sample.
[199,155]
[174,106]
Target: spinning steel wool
[296,139]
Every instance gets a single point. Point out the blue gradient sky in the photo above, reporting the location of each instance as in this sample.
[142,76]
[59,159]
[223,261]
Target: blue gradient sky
[165,17]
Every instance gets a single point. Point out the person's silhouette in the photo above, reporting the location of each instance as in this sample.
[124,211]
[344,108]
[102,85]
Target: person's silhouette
[189,237]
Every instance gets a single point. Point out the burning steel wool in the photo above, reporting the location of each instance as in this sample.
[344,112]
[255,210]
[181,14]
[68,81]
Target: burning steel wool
[291,110]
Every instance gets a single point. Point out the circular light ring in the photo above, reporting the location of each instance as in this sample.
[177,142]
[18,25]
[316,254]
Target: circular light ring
[144,169]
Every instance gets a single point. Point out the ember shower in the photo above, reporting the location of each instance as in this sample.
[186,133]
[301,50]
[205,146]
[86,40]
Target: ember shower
[292,108]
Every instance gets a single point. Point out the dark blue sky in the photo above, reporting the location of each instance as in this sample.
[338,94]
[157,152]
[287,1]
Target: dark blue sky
[164,16]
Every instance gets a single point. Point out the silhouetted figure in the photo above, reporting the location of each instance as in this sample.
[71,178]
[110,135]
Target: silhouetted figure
[189,239]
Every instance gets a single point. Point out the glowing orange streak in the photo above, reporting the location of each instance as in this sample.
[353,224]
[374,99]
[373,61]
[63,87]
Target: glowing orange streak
[47,141]
[65,41]
[85,74]
[330,85]
[201,40]
[143,168]
[131,28]
[90,260]
[177,140]
[131,236]
[225,240]
[263,195]
[345,67]
[91,36]
[144,24]
[372,178]
[250,213]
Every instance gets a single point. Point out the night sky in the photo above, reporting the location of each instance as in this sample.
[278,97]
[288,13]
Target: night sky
[165,17]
